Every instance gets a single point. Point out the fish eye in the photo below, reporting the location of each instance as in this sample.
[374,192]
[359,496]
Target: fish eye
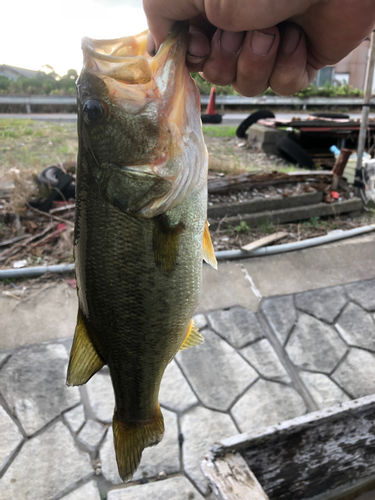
[92,110]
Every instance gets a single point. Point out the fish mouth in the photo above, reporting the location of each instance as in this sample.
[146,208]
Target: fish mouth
[126,59]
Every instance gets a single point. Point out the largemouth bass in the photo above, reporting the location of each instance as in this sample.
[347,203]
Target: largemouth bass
[141,230]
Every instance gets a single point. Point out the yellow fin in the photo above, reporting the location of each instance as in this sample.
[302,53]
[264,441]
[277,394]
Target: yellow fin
[84,360]
[193,337]
[208,248]
[165,243]
[131,439]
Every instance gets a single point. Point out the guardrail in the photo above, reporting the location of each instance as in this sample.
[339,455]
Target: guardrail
[221,100]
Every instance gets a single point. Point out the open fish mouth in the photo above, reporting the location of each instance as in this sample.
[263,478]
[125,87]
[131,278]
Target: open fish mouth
[126,59]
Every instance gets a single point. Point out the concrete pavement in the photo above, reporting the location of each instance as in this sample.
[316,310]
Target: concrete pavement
[284,335]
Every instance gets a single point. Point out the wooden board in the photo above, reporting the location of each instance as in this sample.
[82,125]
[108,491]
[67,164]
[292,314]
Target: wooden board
[231,479]
[311,455]
[263,242]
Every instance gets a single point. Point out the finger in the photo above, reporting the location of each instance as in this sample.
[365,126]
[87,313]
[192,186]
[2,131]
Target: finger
[256,61]
[220,67]
[199,47]
[291,71]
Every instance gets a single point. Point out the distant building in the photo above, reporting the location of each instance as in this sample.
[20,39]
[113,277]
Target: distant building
[13,72]
[350,70]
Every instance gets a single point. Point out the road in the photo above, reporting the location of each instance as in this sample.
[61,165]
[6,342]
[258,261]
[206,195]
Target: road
[228,118]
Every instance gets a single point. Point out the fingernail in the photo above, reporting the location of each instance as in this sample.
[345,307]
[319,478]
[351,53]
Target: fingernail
[231,41]
[261,43]
[198,45]
[291,38]
[150,44]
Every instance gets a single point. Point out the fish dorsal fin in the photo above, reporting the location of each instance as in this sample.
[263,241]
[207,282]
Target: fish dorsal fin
[165,243]
[193,337]
[208,248]
[84,360]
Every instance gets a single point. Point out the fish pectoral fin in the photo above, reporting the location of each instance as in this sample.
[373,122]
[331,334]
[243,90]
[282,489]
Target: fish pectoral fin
[193,337]
[84,359]
[131,190]
[131,439]
[165,242]
[208,248]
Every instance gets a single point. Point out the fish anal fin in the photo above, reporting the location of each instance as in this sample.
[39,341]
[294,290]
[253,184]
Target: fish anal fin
[208,248]
[84,359]
[193,337]
[165,243]
[131,439]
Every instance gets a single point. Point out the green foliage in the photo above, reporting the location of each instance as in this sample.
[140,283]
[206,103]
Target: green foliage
[42,84]
[242,228]
[205,87]
[268,227]
[328,90]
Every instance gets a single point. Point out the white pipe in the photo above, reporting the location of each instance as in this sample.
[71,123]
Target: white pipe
[28,272]
[298,245]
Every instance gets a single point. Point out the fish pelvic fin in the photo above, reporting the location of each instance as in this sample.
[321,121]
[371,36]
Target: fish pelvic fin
[208,248]
[193,337]
[165,243]
[131,439]
[84,359]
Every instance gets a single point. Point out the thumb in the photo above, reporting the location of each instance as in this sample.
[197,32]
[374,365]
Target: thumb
[161,16]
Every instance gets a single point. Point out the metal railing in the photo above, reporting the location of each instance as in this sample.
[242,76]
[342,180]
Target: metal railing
[221,100]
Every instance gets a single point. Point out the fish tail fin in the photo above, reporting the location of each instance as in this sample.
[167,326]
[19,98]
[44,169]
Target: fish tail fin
[131,439]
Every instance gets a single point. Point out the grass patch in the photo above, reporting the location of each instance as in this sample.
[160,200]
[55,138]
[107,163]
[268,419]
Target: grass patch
[219,130]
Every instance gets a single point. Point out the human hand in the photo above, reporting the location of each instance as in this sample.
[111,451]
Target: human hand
[241,42]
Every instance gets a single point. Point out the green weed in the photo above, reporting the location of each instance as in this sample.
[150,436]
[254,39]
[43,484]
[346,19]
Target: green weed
[243,228]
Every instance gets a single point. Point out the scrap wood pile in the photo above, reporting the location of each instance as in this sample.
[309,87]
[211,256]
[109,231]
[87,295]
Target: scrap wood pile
[30,236]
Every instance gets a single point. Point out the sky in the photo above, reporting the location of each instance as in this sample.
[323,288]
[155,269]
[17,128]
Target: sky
[38,32]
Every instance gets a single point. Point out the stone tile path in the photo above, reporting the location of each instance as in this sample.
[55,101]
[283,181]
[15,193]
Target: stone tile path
[297,354]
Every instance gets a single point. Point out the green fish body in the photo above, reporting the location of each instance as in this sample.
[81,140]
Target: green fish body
[141,230]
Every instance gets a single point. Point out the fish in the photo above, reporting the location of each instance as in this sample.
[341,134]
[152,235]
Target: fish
[141,231]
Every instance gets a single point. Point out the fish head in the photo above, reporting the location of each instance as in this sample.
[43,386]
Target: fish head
[139,122]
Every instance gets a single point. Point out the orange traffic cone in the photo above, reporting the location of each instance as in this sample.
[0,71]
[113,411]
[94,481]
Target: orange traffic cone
[211,103]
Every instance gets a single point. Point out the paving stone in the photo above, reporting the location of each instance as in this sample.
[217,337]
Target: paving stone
[175,488]
[356,374]
[88,491]
[101,397]
[46,465]
[217,373]
[175,393]
[363,293]
[200,321]
[324,304]
[33,383]
[237,325]
[323,390]
[10,438]
[75,418]
[201,428]
[267,403]
[313,345]
[357,327]
[91,434]
[264,359]
[281,315]
[162,457]
[3,357]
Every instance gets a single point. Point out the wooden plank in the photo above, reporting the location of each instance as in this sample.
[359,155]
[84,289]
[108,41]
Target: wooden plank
[290,214]
[264,204]
[231,478]
[263,242]
[313,454]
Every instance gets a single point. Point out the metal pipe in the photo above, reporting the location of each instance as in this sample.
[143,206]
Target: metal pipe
[366,105]
[32,272]
[298,245]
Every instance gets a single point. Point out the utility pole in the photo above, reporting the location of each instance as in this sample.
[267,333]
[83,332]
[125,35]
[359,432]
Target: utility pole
[365,111]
